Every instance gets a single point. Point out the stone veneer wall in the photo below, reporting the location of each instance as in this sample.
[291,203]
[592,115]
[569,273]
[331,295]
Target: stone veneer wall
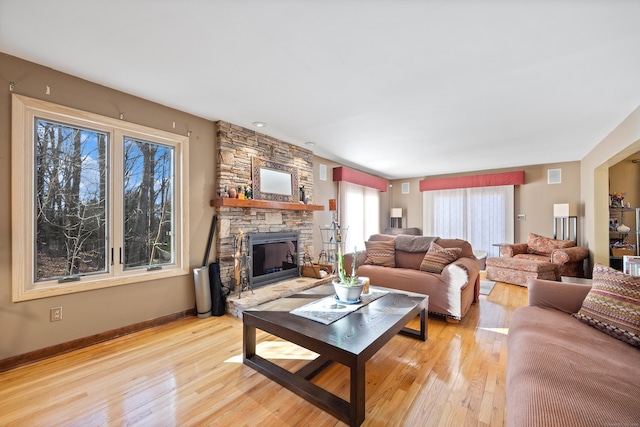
[236,146]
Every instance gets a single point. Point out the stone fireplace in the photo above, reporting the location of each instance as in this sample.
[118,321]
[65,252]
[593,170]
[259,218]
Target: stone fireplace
[236,147]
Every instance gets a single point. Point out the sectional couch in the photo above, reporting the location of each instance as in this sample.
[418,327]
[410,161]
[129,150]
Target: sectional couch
[568,361]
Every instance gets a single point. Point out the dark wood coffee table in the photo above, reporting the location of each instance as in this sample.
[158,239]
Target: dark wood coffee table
[351,341]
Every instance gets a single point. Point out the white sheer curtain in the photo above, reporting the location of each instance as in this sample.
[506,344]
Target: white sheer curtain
[360,213]
[483,216]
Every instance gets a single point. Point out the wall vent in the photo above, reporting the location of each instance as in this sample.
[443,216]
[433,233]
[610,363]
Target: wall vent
[554,176]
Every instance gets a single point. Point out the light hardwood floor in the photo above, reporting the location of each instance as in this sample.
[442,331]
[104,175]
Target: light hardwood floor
[190,373]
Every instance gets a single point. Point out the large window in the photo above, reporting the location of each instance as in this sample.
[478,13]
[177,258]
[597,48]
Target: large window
[483,215]
[96,202]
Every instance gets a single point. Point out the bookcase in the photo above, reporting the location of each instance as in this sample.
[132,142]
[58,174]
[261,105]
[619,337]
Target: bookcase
[623,243]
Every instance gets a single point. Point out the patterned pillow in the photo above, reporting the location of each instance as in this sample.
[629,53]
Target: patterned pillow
[613,304]
[541,245]
[437,258]
[382,252]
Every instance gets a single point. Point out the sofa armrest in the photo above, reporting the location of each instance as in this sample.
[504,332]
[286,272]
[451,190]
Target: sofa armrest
[362,256]
[458,273]
[562,296]
[512,250]
[567,255]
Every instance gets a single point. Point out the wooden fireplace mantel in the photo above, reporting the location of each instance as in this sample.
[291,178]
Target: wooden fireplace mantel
[264,204]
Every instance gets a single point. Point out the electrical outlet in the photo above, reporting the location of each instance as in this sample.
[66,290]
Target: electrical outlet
[522,217]
[55,314]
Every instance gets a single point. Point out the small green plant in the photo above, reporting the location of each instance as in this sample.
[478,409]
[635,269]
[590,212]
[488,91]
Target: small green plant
[353,278]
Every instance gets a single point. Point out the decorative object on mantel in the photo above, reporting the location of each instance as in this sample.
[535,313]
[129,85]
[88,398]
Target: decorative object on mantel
[274,181]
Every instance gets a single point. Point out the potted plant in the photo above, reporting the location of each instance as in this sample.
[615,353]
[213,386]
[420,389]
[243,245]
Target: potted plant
[348,288]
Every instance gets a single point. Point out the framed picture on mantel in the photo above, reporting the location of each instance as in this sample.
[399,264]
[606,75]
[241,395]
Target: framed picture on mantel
[274,181]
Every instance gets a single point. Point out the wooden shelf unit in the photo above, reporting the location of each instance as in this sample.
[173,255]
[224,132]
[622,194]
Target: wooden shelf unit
[264,204]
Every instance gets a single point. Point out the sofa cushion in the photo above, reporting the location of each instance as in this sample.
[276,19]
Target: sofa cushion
[561,372]
[438,258]
[613,304]
[541,245]
[533,257]
[381,253]
[409,259]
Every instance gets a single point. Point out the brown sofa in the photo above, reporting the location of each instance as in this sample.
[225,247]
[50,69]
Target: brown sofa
[451,292]
[540,258]
[562,372]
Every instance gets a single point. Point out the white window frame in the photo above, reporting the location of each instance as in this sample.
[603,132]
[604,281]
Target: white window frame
[25,110]
[359,214]
[482,228]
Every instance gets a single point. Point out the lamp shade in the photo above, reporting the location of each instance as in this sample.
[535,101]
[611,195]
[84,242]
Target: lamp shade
[396,212]
[565,209]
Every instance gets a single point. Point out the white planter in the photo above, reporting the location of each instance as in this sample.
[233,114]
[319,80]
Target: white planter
[348,293]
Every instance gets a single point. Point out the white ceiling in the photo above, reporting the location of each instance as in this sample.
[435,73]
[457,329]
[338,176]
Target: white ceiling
[401,88]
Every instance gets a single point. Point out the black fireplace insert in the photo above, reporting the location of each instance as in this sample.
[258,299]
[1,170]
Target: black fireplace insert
[274,257]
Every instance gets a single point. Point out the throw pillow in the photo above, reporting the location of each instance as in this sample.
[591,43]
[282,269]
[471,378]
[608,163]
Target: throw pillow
[437,258]
[541,245]
[613,304]
[382,252]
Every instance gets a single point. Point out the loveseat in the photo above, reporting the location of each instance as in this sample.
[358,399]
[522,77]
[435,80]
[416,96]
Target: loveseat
[403,265]
[561,371]
[540,258]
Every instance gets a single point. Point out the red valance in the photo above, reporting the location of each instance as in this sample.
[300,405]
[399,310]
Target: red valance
[487,180]
[342,173]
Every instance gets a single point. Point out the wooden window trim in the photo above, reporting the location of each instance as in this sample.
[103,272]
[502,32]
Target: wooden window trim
[24,110]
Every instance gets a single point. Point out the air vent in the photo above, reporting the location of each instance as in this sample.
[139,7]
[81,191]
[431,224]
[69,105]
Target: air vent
[554,176]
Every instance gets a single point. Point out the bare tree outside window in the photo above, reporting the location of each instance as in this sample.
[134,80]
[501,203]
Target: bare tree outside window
[99,202]
[70,200]
[148,204]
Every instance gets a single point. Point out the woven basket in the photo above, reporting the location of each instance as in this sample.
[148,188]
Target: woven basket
[622,251]
[313,270]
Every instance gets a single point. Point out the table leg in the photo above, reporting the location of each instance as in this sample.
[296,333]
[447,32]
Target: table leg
[249,339]
[420,334]
[357,401]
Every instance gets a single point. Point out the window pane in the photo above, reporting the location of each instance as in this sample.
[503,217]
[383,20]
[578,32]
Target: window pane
[148,204]
[70,200]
